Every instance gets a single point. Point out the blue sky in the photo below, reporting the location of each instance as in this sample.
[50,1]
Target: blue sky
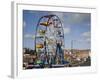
[77,28]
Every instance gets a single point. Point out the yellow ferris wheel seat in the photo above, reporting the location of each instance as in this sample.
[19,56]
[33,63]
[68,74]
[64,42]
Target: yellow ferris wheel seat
[45,23]
[42,32]
[39,45]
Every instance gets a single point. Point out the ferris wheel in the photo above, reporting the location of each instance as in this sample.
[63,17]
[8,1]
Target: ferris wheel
[49,32]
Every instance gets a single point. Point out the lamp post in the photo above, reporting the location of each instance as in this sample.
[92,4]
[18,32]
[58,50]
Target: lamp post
[72,46]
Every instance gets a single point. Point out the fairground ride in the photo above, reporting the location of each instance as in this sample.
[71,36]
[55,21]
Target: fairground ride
[49,39]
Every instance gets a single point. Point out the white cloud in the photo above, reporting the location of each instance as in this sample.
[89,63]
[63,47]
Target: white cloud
[24,24]
[66,30]
[29,36]
[88,39]
[87,36]
[74,18]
